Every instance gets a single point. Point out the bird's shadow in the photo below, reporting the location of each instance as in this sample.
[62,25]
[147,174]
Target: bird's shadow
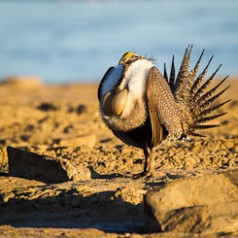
[96,175]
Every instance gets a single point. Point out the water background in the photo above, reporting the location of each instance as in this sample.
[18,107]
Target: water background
[76,41]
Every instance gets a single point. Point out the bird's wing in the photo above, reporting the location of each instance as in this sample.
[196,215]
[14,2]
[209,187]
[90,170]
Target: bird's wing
[156,127]
[161,106]
[190,92]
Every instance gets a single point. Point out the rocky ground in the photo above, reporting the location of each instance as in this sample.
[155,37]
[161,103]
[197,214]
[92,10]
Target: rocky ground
[96,196]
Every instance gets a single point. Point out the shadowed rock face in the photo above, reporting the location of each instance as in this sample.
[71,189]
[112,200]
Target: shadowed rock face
[25,164]
[204,204]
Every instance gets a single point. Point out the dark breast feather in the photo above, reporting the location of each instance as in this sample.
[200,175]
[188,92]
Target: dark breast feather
[139,137]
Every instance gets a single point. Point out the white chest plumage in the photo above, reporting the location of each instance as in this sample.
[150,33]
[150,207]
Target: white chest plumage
[133,81]
[134,78]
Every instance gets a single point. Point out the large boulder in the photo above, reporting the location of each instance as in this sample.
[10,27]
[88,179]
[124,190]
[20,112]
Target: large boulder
[203,204]
[25,164]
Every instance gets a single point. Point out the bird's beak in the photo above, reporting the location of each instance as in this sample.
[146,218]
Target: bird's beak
[114,103]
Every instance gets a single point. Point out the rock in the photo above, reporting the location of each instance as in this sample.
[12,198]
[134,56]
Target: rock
[205,204]
[81,109]
[3,159]
[47,106]
[88,140]
[131,195]
[23,82]
[30,165]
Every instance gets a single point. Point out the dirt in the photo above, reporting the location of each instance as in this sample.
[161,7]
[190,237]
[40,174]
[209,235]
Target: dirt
[48,120]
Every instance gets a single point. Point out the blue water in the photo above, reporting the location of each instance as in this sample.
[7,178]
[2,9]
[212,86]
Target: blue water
[75,41]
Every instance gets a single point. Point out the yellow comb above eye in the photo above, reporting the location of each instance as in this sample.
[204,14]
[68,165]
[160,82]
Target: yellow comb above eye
[127,56]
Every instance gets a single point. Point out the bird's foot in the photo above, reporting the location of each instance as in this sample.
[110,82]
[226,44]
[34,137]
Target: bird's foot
[144,174]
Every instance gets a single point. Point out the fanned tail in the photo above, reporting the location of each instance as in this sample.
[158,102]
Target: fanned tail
[210,118]
[196,134]
[200,79]
[172,76]
[203,102]
[194,71]
[165,73]
[184,80]
[171,79]
[199,95]
[191,92]
[184,68]
[208,102]
[211,109]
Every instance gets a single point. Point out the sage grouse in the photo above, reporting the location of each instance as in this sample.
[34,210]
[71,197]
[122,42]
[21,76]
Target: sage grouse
[144,108]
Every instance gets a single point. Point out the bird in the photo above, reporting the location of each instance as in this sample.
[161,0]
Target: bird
[145,108]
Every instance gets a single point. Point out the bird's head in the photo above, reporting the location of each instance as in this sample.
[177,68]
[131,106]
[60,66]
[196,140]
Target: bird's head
[130,57]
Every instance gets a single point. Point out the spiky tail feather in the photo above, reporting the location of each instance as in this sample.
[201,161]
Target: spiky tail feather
[191,90]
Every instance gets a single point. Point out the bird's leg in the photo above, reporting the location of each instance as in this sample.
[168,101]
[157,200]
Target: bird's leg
[149,163]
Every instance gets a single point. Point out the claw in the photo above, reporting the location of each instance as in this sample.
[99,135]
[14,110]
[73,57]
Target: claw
[144,174]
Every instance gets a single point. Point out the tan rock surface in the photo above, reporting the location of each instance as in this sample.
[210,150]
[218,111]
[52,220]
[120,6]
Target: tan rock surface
[204,204]
[48,121]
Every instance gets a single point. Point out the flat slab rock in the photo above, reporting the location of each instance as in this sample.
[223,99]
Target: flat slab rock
[25,164]
[204,204]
